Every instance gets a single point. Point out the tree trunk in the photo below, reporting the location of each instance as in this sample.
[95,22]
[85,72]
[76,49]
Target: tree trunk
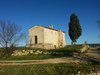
[6,50]
[72,43]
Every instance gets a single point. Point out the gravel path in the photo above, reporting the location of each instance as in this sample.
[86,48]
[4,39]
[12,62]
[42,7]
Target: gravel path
[93,55]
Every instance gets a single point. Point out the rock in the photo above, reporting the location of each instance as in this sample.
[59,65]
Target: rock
[23,51]
[85,47]
[30,51]
[47,53]
[36,53]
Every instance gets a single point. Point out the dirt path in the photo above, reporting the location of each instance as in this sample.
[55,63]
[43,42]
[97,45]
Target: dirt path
[29,62]
[93,55]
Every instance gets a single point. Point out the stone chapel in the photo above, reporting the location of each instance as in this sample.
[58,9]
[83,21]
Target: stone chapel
[46,37]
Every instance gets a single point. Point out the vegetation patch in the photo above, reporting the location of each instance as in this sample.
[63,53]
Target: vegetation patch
[37,54]
[50,69]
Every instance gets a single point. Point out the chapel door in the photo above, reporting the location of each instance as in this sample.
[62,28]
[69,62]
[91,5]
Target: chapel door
[36,40]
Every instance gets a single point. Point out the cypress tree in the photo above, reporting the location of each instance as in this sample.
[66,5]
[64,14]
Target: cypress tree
[75,30]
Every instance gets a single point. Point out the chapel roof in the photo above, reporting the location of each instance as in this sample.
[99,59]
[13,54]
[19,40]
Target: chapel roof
[48,28]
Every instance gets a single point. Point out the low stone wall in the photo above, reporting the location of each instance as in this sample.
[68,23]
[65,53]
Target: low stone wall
[36,52]
[35,45]
[43,46]
[25,52]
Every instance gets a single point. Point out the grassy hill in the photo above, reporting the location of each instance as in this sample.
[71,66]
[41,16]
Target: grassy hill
[55,53]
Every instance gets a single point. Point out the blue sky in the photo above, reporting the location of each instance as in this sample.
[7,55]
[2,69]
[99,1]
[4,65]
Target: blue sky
[27,13]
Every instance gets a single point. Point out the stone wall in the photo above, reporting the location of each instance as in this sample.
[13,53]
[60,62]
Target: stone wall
[50,37]
[43,46]
[61,39]
[36,31]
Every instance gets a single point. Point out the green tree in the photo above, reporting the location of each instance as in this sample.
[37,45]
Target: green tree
[75,30]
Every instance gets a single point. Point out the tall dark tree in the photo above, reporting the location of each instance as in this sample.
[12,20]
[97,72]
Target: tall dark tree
[75,30]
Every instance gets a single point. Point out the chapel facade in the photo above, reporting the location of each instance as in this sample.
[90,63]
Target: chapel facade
[46,37]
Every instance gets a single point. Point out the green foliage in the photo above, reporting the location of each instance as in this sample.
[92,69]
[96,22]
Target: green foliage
[30,57]
[50,69]
[75,30]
